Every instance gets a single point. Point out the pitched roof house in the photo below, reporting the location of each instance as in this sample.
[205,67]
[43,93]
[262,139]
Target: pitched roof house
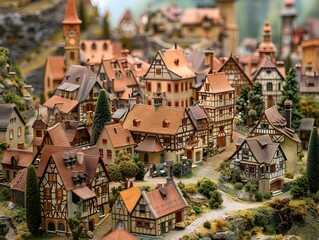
[217,96]
[162,133]
[71,180]
[76,96]
[278,128]
[149,213]
[114,139]
[260,159]
[127,26]
[17,186]
[12,125]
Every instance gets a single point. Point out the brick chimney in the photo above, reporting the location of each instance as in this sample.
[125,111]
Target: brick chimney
[288,111]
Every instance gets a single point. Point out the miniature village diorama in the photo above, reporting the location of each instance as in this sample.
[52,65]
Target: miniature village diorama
[161,128]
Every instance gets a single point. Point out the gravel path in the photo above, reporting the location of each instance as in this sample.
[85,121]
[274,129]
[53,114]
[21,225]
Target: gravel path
[228,205]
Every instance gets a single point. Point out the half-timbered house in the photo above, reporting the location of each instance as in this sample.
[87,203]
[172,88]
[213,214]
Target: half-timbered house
[278,128]
[162,133]
[76,96]
[171,73]
[72,181]
[122,77]
[13,161]
[76,132]
[236,76]
[150,213]
[271,79]
[260,159]
[218,98]
[114,139]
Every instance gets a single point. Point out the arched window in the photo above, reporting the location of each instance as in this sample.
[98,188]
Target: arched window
[61,227]
[94,46]
[51,226]
[83,46]
[120,224]
[105,46]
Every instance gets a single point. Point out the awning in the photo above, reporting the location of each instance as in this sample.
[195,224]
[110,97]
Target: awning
[84,193]
[150,145]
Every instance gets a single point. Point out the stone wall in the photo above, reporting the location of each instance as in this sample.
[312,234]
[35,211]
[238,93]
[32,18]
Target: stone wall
[22,33]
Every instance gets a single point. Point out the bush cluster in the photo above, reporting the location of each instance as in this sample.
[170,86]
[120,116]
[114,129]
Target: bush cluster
[238,185]
[207,225]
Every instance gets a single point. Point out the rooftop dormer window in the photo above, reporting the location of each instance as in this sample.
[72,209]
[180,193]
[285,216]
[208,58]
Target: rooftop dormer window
[165,123]
[118,74]
[136,122]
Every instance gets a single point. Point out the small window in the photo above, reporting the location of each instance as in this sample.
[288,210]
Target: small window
[109,154]
[105,46]
[230,96]
[159,87]
[52,178]
[182,87]
[120,224]
[158,71]
[184,121]
[11,134]
[19,131]
[176,104]
[59,194]
[101,152]
[207,87]
[176,87]
[38,133]
[146,224]
[119,204]
[272,168]
[169,103]
[149,87]
[169,87]
[47,193]
[93,46]
[269,86]
[72,55]
[139,223]
[167,141]
[47,206]
[142,208]
[104,141]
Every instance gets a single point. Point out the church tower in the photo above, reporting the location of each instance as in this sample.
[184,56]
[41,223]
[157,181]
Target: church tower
[288,24]
[71,29]
[228,12]
[267,47]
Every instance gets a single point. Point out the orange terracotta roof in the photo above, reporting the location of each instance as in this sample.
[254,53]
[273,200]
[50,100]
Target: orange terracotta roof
[84,192]
[163,206]
[71,15]
[37,141]
[150,145]
[195,16]
[219,83]
[119,136]
[120,234]
[130,197]
[23,157]
[176,62]
[18,183]
[95,50]
[151,121]
[65,105]
[58,135]
[56,67]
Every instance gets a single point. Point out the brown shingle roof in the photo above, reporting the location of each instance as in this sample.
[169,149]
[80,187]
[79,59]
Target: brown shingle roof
[119,136]
[198,112]
[71,16]
[56,67]
[151,121]
[195,16]
[183,69]
[18,183]
[164,206]
[6,110]
[23,157]
[219,82]
[65,105]
[150,145]
[130,197]
[120,234]
[84,192]
[58,135]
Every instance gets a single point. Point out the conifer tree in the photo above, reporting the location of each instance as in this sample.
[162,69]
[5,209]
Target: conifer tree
[312,171]
[290,92]
[32,201]
[101,116]
[82,16]
[106,27]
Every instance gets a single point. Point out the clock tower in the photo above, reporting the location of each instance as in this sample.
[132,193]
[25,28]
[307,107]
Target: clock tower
[71,29]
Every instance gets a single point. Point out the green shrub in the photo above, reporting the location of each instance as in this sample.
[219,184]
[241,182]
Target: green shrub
[258,196]
[221,225]
[177,169]
[206,187]
[315,197]
[238,185]
[300,187]
[262,215]
[19,216]
[197,209]
[251,187]
[5,194]
[267,195]
[181,185]
[298,209]
[235,175]
[207,224]
[215,199]
[191,188]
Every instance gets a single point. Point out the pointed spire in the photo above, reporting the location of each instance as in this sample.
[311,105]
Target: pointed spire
[267,32]
[71,15]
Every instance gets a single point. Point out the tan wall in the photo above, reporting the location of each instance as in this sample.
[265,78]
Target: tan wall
[198,31]
[310,53]
[14,126]
[291,151]
[264,185]
[154,158]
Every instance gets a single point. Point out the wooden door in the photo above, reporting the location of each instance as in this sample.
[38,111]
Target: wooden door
[276,185]
[189,154]
[179,216]
[91,226]
[270,101]
[221,137]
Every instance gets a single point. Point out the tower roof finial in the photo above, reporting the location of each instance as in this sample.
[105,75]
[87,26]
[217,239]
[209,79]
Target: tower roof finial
[71,15]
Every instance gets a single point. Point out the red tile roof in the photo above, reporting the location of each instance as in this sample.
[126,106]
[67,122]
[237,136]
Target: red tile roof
[151,121]
[18,183]
[163,206]
[65,105]
[198,112]
[119,136]
[23,157]
[84,192]
[58,135]
[150,145]
[219,82]
[56,67]
[130,197]
[71,16]
[120,234]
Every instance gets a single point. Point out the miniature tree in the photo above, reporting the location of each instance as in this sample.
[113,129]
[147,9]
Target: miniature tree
[290,92]
[122,168]
[309,107]
[101,116]
[32,201]
[76,226]
[312,172]
[256,100]
[82,16]
[242,103]
[4,56]
[106,27]
[141,171]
